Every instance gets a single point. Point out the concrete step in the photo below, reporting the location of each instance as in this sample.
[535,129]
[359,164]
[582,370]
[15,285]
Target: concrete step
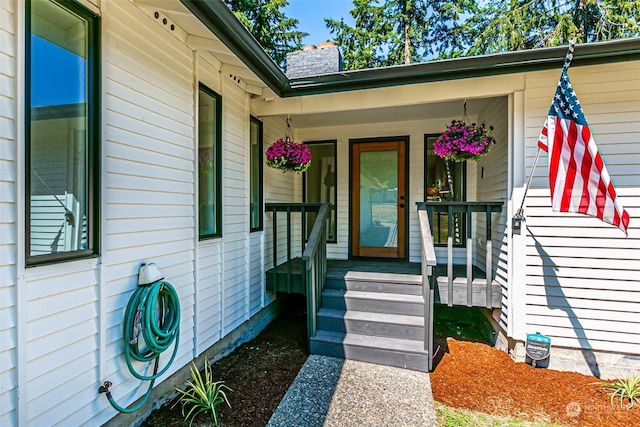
[373,302]
[409,284]
[372,324]
[396,352]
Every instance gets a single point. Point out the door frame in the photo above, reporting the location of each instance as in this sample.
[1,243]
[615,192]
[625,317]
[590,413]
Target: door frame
[404,139]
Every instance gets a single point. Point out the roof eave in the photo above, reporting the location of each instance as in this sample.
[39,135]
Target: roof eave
[468,67]
[217,17]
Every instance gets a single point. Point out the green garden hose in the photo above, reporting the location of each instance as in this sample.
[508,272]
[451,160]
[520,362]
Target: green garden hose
[153,311]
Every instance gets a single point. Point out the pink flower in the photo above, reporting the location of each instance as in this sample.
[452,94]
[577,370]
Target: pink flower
[288,156]
[461,142]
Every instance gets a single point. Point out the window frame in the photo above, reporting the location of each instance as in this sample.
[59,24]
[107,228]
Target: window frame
[217,149]
[93,105]
[334,206]
[463,196]
[260,166]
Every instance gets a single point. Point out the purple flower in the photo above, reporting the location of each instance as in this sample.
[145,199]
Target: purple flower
[461,142]
[288,156]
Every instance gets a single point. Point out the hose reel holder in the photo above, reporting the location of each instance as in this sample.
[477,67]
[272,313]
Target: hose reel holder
[151,325]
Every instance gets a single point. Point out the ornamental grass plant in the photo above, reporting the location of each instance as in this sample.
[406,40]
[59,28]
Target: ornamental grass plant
[625,389]
[202,394]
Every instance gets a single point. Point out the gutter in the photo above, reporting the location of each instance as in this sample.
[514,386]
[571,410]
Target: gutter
[461,68]
[217,17]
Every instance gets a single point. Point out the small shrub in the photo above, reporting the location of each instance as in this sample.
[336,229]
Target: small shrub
[203,394]
[626,388]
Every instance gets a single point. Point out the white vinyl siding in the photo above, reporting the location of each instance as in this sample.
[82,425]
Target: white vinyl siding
[62,323]
[148,180]
[583,288]
[209,326]
[209,253]
[235,205]
[493,188]
[8,107]
[416,192]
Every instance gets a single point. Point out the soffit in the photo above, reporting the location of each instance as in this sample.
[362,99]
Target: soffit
[191,31]
[238,49]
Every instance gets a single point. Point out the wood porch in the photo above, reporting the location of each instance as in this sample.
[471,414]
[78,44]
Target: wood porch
[379,311]
[353,268]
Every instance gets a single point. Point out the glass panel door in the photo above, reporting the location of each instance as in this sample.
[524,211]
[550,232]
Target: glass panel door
[378,199]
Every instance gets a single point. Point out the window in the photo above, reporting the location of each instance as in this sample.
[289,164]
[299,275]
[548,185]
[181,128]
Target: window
[320,184]
[255,165]
[62,131]
[209,167]
[437,189]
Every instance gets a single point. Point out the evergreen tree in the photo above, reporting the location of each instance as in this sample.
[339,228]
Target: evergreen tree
[276,33]
[362,45]
[394,32]
[508,25]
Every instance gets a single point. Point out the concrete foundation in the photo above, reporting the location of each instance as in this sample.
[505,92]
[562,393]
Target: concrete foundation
[601,364]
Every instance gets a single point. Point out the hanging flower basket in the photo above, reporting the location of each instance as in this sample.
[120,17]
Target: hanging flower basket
[288,156]
[460,141]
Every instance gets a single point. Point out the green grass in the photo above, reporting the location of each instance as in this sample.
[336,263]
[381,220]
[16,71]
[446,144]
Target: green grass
[453,417]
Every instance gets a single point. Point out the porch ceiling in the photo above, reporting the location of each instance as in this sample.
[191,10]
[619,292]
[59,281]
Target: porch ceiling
[438,110]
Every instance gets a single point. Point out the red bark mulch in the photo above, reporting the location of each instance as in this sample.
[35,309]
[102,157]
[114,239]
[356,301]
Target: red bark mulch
[479,377]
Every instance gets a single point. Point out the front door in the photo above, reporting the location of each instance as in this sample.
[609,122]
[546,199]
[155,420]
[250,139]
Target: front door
[378,199]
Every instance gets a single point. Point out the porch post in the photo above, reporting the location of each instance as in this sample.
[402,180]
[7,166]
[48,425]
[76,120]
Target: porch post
[516,288]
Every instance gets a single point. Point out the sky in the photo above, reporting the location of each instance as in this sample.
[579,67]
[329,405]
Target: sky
[311,14]
[55,74]
[63,66]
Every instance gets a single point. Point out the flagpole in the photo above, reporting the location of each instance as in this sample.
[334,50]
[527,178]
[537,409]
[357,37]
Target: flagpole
[519,216]
[516,221]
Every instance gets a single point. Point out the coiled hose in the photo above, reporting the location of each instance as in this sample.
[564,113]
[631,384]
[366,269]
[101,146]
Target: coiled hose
[153,311]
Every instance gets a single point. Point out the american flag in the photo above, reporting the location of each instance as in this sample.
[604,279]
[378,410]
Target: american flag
[578,178]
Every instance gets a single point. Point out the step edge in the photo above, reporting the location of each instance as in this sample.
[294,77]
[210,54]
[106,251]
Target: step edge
[364,276]
[367,341]
[384,318]
[384,296]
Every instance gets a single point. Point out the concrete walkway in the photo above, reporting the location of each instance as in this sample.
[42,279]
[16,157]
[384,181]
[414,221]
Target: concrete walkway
[334,392]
